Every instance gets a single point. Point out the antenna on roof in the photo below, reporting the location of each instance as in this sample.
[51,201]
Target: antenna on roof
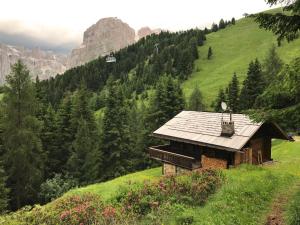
[227,127]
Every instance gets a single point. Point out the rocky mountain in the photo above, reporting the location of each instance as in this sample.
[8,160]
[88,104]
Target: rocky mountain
[107,35]
[40,63]
[145,31]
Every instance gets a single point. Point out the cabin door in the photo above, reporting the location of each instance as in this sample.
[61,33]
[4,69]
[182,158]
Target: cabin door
[247,156]
[257,151]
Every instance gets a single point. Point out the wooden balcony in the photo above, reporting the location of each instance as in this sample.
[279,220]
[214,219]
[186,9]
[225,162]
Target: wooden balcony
[163,153]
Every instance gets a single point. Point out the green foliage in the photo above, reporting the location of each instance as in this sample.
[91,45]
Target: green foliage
[280,102]
[221,98]
[115,139]
[253,85]
[195,102]
[85,158]
[293,210]
[272,64]
[165,104]
[209,53]
[4,191]
[284,25]
[56,187]
[233,94]
[24,158]
[222,24]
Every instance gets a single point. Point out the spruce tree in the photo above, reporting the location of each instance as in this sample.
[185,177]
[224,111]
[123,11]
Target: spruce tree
[220,98]
[233,94]
[84,161]
[4,191]
[195,102]
[253,86]
[24,163]
[65,134]
[214,27]
[272,65]
[209,53]
[115,137]
[221,24]
[233,21]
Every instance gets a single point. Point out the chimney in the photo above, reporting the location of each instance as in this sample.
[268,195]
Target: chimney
[227,127]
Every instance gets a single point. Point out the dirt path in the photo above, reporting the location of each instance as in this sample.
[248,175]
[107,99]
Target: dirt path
[276,215]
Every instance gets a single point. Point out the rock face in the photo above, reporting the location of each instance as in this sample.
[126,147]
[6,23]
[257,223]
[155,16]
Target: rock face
[145,31]
[40,63]
[107,35]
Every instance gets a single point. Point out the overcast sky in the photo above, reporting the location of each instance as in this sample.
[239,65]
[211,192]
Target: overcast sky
[64,21]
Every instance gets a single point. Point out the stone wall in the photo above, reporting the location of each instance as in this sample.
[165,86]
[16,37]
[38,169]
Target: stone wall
[169,169]
[213,163]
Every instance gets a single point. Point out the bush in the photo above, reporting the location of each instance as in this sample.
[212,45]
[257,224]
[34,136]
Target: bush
[185,220]
[56,187]
[192,189]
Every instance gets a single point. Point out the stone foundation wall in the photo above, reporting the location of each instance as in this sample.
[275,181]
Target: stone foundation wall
[169,169]
[213,163]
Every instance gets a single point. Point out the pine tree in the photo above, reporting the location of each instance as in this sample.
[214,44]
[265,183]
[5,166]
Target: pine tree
[115,137]
[233,21]
[84,161]
[4,191]
[253,86]
[65,135]
[221,24]
[24,163]
[209,53]
[214,27]
[165,104]
[272,65]
[220,98]
[195,102]
[49,137]
[233,94]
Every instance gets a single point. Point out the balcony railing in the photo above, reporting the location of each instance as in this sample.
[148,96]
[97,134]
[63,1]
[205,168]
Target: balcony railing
[163,154]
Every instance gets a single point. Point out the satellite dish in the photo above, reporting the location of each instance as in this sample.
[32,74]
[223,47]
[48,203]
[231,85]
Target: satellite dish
[224,106]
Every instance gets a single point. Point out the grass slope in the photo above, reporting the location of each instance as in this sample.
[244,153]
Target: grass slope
[233,49]
[245,198]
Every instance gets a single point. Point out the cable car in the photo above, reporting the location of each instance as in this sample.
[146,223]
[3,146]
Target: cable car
[111,59]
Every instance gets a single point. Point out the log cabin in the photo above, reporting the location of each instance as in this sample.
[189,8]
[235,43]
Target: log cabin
[213,140]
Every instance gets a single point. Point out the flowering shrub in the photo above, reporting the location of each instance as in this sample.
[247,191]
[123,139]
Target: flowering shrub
[192,188]
[147,203]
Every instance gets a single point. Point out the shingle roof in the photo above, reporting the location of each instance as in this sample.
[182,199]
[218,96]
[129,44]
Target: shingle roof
[204,128]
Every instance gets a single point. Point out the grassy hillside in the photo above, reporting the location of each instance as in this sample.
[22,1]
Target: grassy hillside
[246,197]
[233,49]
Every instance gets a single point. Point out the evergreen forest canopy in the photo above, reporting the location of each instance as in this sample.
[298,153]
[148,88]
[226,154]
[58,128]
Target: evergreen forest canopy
[51,140]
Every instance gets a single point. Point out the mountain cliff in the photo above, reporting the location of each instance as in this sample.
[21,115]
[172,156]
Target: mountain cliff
[44,64]
[107,35]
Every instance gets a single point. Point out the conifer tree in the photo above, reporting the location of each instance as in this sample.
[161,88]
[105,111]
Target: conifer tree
[49,137]
[115,137]
[214,27]
[233,21]
[272,65]
[84,161]
[4,191]
[65,135]
[253,86]
[209,53]
[195,102]
[221,24]
[233,94]
[220,98]
[24,156]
